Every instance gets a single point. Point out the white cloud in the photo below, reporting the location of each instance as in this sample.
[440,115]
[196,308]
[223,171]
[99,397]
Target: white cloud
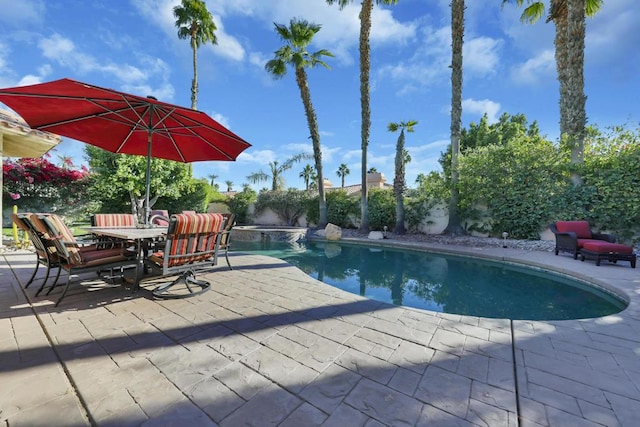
[258,59]
[164,92]
[430,64]
[541,67]
[223,120]
[133,78]
[612,39]
[352,155]
[340,28]
[385,28]
[481,107]
[4,54]
[328,154]
[227,46]
[260,157]
[17,13]
[29,79]
[481,56]
[160,12]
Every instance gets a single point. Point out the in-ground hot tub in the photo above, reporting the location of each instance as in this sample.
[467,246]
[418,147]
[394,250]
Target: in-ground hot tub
[268,233]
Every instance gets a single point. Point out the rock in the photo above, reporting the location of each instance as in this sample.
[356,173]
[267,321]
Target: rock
[332,232]
[376,235]
[332,250]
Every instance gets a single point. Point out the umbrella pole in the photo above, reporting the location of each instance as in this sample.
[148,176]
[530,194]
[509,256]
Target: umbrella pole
[147,208]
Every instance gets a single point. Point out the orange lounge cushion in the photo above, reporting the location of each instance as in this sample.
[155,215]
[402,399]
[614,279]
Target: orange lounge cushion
[581,228]
[602,247]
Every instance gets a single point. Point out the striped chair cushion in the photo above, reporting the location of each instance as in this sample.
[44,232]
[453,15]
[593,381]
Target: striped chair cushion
[191,234]
[63,233]
[113,220]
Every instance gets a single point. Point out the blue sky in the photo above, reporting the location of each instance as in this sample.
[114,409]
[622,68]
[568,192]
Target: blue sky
[132,45]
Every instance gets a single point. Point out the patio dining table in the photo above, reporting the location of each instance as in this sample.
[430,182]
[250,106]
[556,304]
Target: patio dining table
[135,234]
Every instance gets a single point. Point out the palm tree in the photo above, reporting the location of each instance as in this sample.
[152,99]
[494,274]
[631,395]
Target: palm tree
[213,177]
[402,157]
[307,175]
[343,171]
[297,36]
[194,22]
[365,66]
[568,17]
[277,169]
[457,36]
[65,161]
[229,185]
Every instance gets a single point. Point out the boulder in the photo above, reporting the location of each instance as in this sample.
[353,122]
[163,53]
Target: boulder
[332,250]
[376,235]
[332,232]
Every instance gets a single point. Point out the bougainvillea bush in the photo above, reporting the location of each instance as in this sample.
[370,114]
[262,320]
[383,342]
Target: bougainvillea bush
[37,185]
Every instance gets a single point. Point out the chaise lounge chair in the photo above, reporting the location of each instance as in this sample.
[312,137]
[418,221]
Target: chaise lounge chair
[572,235]
[577,238]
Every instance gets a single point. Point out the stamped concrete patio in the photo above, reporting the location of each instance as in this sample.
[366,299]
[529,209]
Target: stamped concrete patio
[269,346]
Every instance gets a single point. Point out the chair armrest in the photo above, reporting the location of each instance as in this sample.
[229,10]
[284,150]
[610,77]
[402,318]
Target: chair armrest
[611,238]
[566,235]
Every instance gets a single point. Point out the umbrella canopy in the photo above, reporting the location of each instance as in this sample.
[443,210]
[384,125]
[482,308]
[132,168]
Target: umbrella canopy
[17,139]
[123,123]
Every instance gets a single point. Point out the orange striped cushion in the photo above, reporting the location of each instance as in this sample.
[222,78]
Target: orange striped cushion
[194,233]
[114,220]
[63,232]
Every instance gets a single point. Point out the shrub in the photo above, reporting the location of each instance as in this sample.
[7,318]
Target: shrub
[419,202]
[193,197]
[515,182]
[40,186]
[289,205]
[239,204]
[382,209]
[341,208]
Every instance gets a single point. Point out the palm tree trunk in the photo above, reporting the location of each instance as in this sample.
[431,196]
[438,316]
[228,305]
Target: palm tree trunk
[457,34]
[398,185]
[312,121]
[194,82]
[576,99]
[365,66]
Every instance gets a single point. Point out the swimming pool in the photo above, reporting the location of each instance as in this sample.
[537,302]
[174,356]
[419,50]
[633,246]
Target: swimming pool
[443,283]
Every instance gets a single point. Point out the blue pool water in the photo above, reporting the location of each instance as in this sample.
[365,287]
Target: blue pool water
[443,283]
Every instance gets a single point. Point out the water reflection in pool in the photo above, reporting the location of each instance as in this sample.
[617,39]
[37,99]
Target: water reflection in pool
[442,283]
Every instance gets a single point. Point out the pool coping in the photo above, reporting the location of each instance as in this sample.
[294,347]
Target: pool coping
[479,371]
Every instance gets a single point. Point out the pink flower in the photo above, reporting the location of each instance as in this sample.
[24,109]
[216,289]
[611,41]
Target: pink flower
[30,179]
[14,196]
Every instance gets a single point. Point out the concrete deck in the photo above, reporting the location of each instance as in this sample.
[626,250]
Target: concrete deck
[269,346]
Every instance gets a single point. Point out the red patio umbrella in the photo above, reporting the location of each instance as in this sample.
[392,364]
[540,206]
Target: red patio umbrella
[123,123]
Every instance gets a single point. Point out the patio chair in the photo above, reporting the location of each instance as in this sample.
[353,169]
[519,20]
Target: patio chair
[41,231]
[572,235]
[118,220]
[192,244]
[225,239]
[112,220]
[159,217]
[75,260]
[45,251]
